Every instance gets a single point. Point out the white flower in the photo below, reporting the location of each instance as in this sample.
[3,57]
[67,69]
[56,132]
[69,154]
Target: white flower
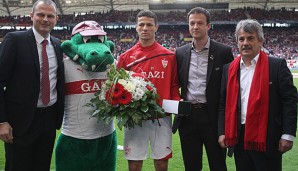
[130,87]
[138,94]
[122,82]
[102,96]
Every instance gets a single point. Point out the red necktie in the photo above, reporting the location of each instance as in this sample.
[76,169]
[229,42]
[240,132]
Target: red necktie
[45,83]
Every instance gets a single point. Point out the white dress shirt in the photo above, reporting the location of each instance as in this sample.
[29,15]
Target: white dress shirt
[53,66]
[246,76]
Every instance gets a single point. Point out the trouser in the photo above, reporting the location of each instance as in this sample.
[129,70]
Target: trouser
[246,160]
[33,150]
[195,130]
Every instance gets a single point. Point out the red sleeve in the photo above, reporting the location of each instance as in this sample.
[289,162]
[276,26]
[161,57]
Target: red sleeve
[175,85]
[121,62]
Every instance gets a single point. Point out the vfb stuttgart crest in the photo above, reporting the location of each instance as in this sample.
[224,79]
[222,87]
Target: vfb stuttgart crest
[164,63]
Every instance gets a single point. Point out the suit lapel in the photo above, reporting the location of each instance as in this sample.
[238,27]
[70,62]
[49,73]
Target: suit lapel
[187,55]
[57,52]
[33,46]
[211,59]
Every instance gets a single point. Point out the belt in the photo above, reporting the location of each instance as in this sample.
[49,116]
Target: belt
[45,109]
[199,105]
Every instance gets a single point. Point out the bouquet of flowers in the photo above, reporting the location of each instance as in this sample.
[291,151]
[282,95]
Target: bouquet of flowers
[128,96]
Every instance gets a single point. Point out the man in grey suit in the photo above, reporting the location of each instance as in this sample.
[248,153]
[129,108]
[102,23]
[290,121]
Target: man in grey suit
[199,71]
[31,91]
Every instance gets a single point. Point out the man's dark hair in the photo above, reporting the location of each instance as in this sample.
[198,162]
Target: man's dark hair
[149,14]
[199,10]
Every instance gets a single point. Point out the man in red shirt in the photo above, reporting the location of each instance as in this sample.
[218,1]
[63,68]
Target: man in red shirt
[158,64]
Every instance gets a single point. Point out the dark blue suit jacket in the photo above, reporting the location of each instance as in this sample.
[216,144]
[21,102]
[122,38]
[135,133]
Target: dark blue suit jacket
[20,74]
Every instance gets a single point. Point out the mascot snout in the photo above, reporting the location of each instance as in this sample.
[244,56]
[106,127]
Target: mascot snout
[89,46]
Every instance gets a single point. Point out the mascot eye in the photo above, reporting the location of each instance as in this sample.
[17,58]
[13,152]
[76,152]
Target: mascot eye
[87,39]
[101,39]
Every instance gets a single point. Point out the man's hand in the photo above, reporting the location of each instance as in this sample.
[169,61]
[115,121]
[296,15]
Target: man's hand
[221,141]
[6,132]
[285,145]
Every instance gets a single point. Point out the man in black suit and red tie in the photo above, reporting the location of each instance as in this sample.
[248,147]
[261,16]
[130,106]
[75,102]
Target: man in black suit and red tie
[31,91]
[199,70]
[258,104]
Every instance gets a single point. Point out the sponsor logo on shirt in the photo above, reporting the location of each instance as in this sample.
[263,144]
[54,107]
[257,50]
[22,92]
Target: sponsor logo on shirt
[83,86]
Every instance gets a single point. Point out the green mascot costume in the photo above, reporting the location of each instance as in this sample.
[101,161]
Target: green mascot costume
[85,144]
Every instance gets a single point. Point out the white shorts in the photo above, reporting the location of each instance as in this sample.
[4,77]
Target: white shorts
[136,140]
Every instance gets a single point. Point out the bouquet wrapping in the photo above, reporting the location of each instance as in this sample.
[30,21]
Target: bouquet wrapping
[128,96]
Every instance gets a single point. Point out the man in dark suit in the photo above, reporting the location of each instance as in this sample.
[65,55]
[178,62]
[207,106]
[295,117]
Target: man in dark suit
[31,91]
[199,71]
[258,104]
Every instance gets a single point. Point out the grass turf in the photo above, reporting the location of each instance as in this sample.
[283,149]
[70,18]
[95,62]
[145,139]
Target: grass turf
[176,163]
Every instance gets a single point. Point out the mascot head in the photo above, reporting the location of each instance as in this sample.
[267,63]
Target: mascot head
[89,46]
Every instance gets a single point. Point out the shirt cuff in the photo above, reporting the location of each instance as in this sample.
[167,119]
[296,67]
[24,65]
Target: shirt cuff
[287,137]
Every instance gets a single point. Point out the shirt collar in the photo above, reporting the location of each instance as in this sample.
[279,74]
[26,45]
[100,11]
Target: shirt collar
[38,37]
[207,45]
[253,61]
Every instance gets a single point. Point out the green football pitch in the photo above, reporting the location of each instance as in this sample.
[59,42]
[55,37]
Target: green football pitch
[176,163]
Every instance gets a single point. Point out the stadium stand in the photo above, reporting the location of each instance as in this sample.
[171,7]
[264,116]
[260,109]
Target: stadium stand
[280,42]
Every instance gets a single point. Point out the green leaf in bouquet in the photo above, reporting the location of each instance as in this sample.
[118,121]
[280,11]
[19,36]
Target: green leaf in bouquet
[95,113]
[152,102]
[157,96]
[147,115]
[114,111]
[144,103]
[137,118]
[94,100]
[144,108]
[137,104]
[121,121]
[101,113]
[144,98]
[102,106]
[108,120]
[132,104]
[123,112]
[148,93]
[130,123]
[97,93]
[122,107]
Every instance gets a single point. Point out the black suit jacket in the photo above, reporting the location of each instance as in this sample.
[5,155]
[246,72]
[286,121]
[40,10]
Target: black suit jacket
[219,54]
[282,117]
[20,74]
